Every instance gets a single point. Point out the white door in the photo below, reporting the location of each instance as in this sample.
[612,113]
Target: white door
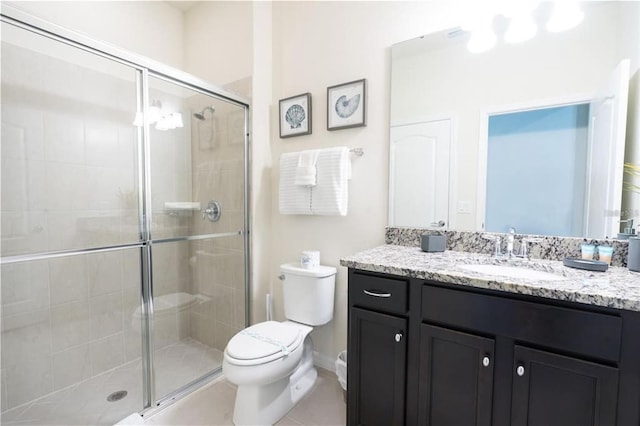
[608,114]
[419,174]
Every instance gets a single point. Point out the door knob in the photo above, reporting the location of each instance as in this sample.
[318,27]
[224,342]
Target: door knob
[398,337]
[520,370]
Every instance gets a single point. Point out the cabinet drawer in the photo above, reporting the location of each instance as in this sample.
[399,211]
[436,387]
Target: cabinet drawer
[572,330]
[382,294]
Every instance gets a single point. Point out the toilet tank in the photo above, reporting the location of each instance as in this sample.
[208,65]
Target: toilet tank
[308,293]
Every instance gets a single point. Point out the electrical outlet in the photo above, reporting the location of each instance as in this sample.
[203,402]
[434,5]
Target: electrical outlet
[464,207]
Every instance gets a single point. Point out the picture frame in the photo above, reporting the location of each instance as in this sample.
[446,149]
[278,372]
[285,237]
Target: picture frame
[347,105]
[295,116]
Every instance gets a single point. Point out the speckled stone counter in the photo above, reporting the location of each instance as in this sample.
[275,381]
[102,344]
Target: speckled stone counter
[616,288]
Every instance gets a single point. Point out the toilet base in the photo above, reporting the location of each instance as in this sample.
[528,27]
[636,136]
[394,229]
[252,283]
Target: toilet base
[266,404]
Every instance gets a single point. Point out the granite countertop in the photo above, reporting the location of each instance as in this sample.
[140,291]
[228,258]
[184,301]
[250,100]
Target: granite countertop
[616,288]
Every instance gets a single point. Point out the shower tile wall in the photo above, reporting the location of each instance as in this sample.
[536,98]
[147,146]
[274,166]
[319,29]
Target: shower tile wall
[218,167]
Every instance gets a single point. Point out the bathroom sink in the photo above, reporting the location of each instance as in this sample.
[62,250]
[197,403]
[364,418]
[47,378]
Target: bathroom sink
[513,272]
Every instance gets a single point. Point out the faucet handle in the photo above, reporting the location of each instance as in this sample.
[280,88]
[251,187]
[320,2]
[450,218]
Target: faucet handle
[496,239]
[522,251]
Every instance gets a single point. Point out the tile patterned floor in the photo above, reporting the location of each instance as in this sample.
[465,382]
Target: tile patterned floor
[213,406]
[86,404]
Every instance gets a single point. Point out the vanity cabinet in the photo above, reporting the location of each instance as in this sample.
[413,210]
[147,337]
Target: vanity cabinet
[469,356]
[377,350]
[456,378]
[551,389]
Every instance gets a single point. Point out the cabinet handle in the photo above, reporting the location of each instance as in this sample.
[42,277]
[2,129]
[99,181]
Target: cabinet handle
[486,361]
[520,370]
[376,294]
[398,337]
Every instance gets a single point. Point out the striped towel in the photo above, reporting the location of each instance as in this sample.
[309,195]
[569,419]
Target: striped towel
[293,199]
[330,196]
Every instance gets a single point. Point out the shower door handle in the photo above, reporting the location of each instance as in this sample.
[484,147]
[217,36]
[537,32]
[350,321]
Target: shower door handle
[213,211]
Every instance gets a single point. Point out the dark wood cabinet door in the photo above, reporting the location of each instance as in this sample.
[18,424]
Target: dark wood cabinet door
[376,368]
[456,378]
[556,390]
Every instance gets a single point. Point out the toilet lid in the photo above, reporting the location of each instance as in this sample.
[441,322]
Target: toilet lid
[262,340]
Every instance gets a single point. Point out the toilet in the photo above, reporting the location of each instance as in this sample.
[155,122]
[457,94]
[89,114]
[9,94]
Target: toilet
[272,362]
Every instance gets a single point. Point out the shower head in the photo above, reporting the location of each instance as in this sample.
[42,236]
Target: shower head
[200,115]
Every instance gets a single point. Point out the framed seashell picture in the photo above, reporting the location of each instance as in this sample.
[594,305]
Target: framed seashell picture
[346,105]
[295,116]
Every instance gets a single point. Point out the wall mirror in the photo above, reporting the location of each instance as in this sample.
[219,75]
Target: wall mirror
[508,137]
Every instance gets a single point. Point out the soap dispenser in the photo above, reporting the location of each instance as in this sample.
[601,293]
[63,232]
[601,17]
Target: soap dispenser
[628,231]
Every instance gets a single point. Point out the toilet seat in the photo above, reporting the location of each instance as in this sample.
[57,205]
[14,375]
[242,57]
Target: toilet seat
[262,343]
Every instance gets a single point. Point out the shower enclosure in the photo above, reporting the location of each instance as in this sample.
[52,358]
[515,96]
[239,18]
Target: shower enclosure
[124,262]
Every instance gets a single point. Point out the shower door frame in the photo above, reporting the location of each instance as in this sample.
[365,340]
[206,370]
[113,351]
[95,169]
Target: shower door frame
[144,68]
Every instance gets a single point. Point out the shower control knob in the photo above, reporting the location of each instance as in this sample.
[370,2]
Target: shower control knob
[398,337]
[213,211]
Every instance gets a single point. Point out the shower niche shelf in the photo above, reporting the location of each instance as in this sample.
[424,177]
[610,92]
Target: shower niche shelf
[181,208]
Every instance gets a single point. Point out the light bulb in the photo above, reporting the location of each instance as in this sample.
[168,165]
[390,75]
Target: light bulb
[162,124]
[565,15]
[176,120]
[154,111]
[138,121]
[481,40]
[521,28]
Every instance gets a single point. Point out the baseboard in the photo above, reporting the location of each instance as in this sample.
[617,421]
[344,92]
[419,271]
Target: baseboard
[324,361]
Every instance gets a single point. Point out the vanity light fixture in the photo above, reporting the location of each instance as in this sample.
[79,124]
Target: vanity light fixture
[478,22]
[154,111]
[176,120]
[162,120]
[138,121]
[565,15]
[521,17]
[521,28]
[482,39]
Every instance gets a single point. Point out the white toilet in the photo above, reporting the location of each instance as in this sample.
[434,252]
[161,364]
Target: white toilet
[272,362]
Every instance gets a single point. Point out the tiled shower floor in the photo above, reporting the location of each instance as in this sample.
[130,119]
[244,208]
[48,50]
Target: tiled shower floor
[86,403]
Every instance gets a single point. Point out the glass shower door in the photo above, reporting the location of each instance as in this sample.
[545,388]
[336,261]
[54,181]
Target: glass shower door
[197,191]
[70,235]
[120,283]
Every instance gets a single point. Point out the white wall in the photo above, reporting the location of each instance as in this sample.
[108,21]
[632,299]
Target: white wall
[153,29]
[218,41]
[319,44]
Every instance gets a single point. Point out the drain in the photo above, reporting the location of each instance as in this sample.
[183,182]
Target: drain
[117,396]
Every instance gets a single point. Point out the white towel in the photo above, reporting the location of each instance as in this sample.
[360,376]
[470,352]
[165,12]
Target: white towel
[306,170]
[330,196]
[294,199]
